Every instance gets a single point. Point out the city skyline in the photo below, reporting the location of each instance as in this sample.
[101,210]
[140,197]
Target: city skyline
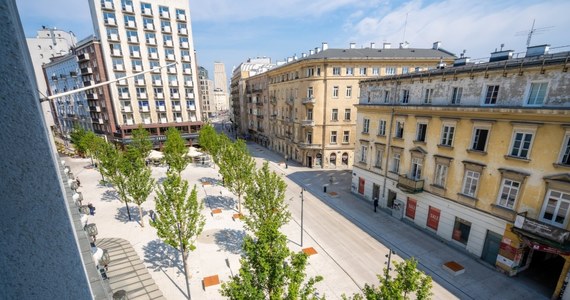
[231,32]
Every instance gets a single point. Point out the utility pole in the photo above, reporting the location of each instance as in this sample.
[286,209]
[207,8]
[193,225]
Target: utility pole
[302,202]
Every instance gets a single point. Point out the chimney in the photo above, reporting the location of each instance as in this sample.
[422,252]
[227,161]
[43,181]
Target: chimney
[289,59]
[501,55]
[352,45]
[372,45]
[311,52]
[537,50]
[303,55]
[295,56]
[325,46]
[317,50]
[386,46]
[436,45]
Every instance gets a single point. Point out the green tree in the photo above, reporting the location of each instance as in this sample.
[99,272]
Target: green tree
[139,185]
[269,270]
[207,138]
[140,145]
[409,283]
[89,142]
[178,219]
[76,135]
[115,166]
[237,168]
[175,151]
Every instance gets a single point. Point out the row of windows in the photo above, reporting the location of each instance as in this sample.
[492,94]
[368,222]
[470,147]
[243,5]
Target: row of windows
[520,147]
[363,71]
[535,95]
[346,71]
[146,9]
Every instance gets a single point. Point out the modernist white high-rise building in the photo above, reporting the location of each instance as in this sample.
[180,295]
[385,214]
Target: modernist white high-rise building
[138,36]
[221,95]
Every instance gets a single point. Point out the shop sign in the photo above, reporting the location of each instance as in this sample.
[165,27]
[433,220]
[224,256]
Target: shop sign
[546,231]
[433,218]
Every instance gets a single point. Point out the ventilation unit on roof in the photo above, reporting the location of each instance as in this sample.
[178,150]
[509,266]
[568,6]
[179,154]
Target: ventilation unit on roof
[537,50]
[501,55]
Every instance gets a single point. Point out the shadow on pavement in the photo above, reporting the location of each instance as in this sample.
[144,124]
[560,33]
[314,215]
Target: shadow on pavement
[110,195]
[160,180]
[230,240]
[223,202]
[211,180]
[124,217]
[159,256]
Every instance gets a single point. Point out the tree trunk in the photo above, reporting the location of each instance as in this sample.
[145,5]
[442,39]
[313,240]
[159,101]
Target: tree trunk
[128,210]
[185,271]
[141,216]
[239,204]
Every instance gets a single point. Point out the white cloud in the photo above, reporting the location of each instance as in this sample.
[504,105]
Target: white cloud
[477,26]
[231,10]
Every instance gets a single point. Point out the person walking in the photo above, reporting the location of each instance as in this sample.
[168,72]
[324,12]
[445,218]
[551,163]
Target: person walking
[77,180]
[375,204]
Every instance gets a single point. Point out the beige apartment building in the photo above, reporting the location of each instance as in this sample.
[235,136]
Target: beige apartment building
[478,155]
[307,110]
[139,36]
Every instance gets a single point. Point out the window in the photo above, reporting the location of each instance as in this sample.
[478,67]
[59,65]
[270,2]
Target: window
[362,71]
[386,96]
[349,71]
[456,94]
[421,132]
[348,91]
[310,114]
[378,158]
[491,95]
[333,137]
[405,96]
[376,71]
[537,93]
[405,70]
[365,125]
[363,153]
[427,96]
[470,183]
[335,91]
[555,209]
[310,92]
[146,8]
[440,175]
[347,114]
[480,136]
[508,193]
[461,230]
[346,137]
[395,163]
[399,133]
[382,127]
[447,135]
[390,71]
[521,144]
[565,152]
[416,171]
[334,116]
[336,71]
[310,72]
[130,21]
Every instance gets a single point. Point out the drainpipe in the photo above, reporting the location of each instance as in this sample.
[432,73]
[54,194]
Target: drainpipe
[388,144]
[324,114]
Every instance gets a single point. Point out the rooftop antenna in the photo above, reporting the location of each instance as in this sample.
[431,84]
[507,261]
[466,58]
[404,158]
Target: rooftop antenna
[405,25]
[532,31]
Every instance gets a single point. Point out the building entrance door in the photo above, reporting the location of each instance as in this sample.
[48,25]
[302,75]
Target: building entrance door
[309,161]
[491,247]
[391,198]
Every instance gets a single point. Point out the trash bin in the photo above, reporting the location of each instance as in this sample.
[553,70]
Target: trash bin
[324,188]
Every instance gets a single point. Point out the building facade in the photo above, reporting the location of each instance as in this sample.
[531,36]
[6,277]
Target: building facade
[48,43]
[206,90]
[63,74]
[221,95]
[138,36]
[477,155]
[312,98]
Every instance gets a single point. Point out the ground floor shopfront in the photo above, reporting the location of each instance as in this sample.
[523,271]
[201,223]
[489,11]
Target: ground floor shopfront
[312,155]
[495,241]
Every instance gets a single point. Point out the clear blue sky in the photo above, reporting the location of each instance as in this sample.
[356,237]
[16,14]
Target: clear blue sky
[231,31]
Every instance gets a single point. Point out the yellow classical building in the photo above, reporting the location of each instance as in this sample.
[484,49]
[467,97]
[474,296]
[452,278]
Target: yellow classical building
[477,155]
[304,108]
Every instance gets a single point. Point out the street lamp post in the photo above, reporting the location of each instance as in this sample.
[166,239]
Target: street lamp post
[302,202]
[389,256]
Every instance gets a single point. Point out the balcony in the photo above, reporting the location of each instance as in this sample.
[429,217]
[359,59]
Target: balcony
[175,95]
[95,108]
[153,55]
[410,185]
[83,57]
[118,68]
[309,100]
[188,83]
[542,236]
[147,11]
[290,101]
[162,108]
[88,82]
[163,120]
[309,146]
[145,109]
[108,5]
[171,69]
[116,52]
[181,17]
[309,123]
[176,108]
[166,29]
[151,41]
[111,22]
[260,116]
[129,122]
[170,57]
[133,39]
[147,121]
[159,95]
[141,95]
[92,96]
[86,71]
[124,95]
[113,37]
[183,31]
[178,119]
[187,71]
[168,43]
[190,95]
[126,109]
[128,8]
[186,57]
[191,107]
[136,54]
[139,81]
[173,82]
[157,82]
[131,24]
[273,116]
[184,45]
[272,100]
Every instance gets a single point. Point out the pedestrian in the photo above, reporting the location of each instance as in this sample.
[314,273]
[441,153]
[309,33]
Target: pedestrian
[152,215]
[375,204]
[91,209]
[77,180]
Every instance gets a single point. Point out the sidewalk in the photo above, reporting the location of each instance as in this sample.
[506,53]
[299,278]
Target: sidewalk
[479,280]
